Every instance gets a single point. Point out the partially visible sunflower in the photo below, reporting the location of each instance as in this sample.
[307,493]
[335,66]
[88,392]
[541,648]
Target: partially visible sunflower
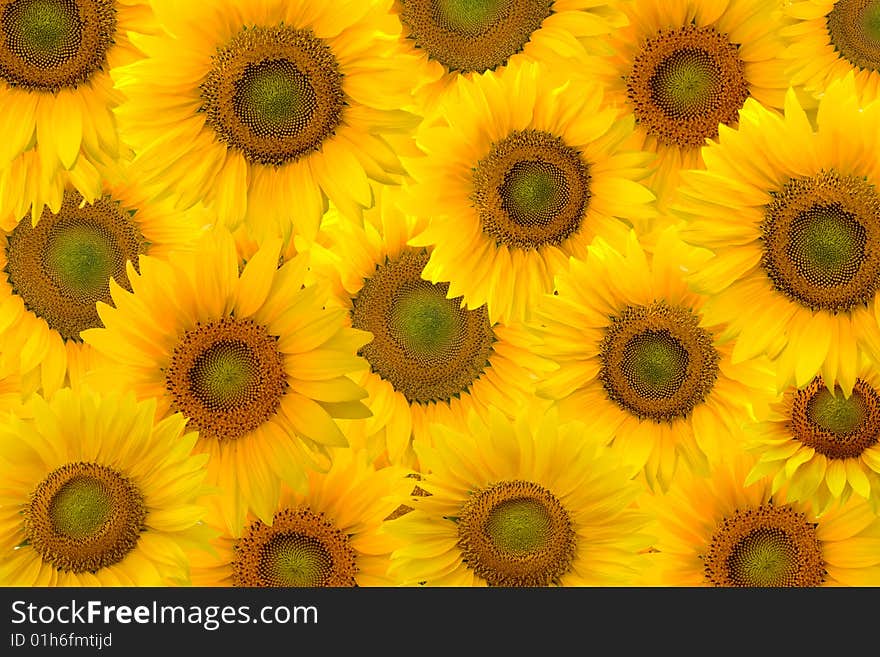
[684,67]
[332,535]
[792,213]
[251,358]
[639,362]
[520,171]
[716,531]
[453,38]
[53,273]
[431,358]
[530,502]
[828,39]
[57,94]
[94,492]
[821,444]
[267,109]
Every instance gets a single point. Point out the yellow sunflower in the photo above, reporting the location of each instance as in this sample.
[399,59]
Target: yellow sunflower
[530,502]
[716,531]
[525,170]
[684,67]
[431,358]
[453,38]
[821,444]
[331,536]
[828,39]
[252,359]
[267,109]
[57,94]
[52,273]
[792,214]
[639,363]
[94,492]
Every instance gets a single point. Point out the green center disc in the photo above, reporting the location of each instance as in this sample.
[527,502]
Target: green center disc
[534,193]
[827,245]
[424,322]
[655,363]
[81,258]
[686,83]
[765,557]
[295,560]
[472,17]
[836,413]
[81,508]
[226,374]
[275,98]
[854,31]
[520,526]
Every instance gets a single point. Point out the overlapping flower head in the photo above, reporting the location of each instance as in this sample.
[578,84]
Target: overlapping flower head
[332,535]
[432,359]
[267,109]
[525,502]
[58,96]
[828,39]
[684,67]
[52,273]
[462,38]
[96,492]
[251,358]
[524,170]
[821,444]
[639,363]
[792,214]
[717,531]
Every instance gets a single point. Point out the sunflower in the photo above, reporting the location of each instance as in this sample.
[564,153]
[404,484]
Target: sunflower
[431,358]
[684,67]
[94,492]
[53,272]
[717,531]
[638,361]
[453,38]
[332,535]
[253,361]
[57,94]
[792,214]
[530,502]
[266,110]
[827,39]
[821,444]
[526,170]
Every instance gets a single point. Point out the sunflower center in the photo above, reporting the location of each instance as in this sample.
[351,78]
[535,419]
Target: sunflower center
[84,517]
[62,266]
[531,190]
[764,546]
[274,93]
[516,533]
[821,239]
[423,321]
[854,29]
[519,526]
[685,82]
[47,45]
[836,426]
[657,362]
[472,35]
[300,548]
[428,347]
[227,377]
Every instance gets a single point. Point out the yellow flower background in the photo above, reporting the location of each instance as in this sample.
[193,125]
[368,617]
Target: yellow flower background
[423,293]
